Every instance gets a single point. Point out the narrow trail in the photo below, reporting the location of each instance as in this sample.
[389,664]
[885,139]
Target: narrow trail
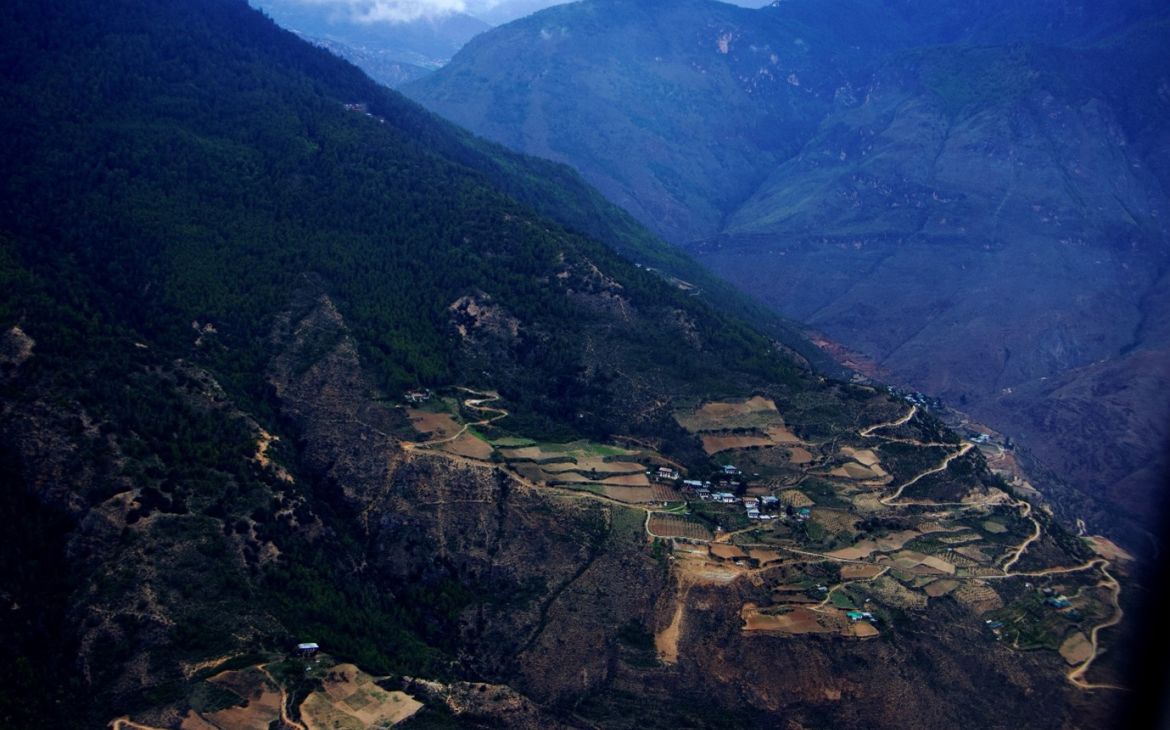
[125,723]
[822,556]
[890,500]
[1023,547]
[868,430]
[1088,565]
[284,699]
[1077,675]
[829,595]
[726,536]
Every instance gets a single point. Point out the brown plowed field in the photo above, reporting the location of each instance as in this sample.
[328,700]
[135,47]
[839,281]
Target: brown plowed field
[713,444]
[677,526]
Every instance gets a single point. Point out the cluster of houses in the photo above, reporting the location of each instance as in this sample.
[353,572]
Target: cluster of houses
[721,489]
[915,398]
[856,616]
[361,108]
[754,506]
[1054,600]
[757,508]
[666,474]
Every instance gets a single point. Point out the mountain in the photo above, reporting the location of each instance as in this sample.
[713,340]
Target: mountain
[316,410]
[383,66]
[498,13]
[391,50]
[972,196]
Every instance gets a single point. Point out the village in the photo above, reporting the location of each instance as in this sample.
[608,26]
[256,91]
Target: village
[842,537]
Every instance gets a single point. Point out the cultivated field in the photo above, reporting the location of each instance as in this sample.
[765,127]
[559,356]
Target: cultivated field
[470,447]
[799,456]
[865,457]
[795,498]
[753,423]
[663,525]
[979,597]
[435,426]
[727,551]
[941,587]
[865,548]
[754,412]
[799,620]
[1076,649]
[854,571]
[352,700]
[714,443]
[853,470]
[892,593]
[259,696]
[765,556]
[627,480]
[630,495]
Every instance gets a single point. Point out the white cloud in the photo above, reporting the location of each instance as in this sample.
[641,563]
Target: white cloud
[404,11]
[392,11]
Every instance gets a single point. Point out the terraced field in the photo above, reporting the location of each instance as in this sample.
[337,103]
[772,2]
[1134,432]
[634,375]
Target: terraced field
[665,525]
[875,520]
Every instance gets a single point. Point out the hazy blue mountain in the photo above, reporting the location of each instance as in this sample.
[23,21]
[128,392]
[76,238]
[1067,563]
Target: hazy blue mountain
[972,195]
[509,10]
[390,52]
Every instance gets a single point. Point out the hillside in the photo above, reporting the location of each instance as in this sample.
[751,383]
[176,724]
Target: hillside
[284,360]
[970,195]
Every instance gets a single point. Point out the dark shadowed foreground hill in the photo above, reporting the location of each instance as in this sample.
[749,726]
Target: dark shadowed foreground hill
[971,195]
[285,359]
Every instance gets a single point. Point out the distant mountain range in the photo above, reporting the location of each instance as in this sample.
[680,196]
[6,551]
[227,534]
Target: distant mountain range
[972,195]
[391,53]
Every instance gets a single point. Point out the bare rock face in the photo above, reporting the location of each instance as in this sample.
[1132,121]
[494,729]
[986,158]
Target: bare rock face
[500,703]
[15,347]
[323,391]
[471,313]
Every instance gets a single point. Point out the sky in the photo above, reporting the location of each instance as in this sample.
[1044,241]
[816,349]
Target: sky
[492,11]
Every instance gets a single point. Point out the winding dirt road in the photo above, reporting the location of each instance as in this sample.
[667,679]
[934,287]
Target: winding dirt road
[284,701]
[868,430]
[1023,547]
[890,500]
[1077,675]
[475,404]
